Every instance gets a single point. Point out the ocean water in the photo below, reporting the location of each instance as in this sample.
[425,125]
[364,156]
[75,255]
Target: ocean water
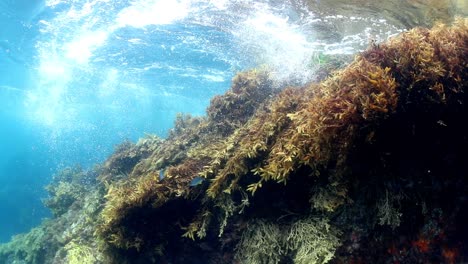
[78,77]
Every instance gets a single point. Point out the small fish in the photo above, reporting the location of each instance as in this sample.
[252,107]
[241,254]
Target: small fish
[161,174]
[442,123]
[196,181]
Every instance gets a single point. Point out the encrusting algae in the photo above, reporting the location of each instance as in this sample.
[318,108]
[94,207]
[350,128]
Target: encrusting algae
[367,166]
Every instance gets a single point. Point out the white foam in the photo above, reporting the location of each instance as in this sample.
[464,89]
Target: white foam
[81,48]
[274,41]
[52,3]
[153,12]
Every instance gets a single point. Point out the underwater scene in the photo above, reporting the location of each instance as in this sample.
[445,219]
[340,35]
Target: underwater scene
[233,131]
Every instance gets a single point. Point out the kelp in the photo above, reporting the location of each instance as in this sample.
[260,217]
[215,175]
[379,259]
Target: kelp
[366,166]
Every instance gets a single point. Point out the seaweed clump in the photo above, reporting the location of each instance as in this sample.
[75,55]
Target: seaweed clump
[309,241]
[367,166]
[75,201]
[67,187]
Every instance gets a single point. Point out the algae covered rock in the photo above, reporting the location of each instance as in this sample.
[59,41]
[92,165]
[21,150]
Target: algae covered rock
[67,187]
[356,150]
[367,166]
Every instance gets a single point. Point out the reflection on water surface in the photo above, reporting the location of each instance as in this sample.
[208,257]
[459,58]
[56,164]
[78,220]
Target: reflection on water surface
[407,13]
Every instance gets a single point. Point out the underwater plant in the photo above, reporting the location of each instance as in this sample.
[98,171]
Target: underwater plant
[67,187]
[308,240]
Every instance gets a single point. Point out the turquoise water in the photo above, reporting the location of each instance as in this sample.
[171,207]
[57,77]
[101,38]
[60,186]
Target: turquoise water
[78,77]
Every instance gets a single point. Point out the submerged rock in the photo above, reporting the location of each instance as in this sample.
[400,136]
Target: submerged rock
[367,166]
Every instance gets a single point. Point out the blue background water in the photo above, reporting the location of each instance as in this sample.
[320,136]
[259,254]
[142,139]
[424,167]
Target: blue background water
[24,165]
[78,77]
[76,115]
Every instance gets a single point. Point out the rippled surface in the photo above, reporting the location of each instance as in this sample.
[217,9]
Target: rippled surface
[78,76]
[401,13]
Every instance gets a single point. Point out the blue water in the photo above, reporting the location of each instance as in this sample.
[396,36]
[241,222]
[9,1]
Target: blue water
[78,77]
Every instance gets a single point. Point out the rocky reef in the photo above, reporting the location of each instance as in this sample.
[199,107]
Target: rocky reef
[367,166]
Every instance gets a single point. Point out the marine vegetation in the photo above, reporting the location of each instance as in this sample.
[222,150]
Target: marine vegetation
[367,166]
[67,187]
